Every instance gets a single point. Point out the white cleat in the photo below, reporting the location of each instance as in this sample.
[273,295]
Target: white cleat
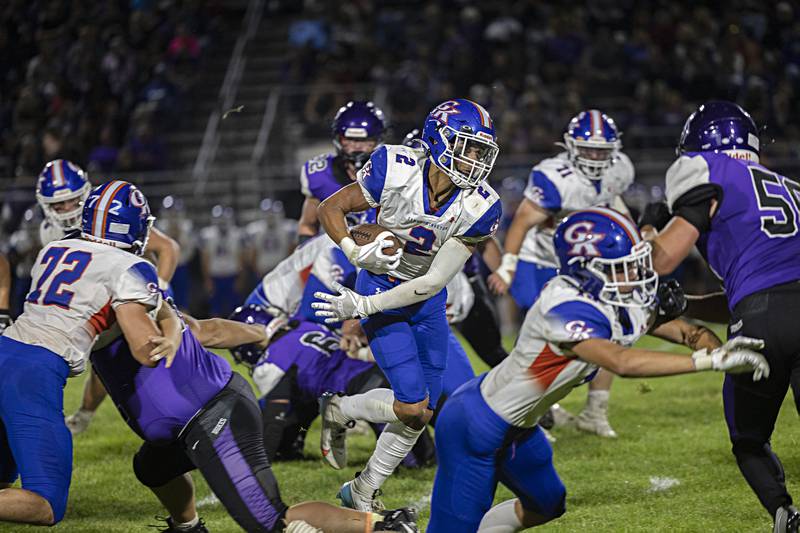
[549,436]
[332,439]
[594,421]
[78,422]
[562,417]
[353,499]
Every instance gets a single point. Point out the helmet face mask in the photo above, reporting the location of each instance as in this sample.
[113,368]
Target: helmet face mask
[628,281]
[592,142]
[357,129]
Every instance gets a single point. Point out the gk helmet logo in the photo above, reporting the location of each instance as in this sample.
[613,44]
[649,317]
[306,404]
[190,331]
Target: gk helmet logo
[582,239]
[443,111]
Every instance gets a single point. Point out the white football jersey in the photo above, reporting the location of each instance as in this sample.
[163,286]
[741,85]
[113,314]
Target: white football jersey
[76,286]
[283,286]
[558,187]
[270,242]
[49,232]
[224,248]
[541,369]
[395,180]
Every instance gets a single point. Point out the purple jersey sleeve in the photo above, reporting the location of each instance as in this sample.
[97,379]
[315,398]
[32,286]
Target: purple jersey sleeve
[317,178]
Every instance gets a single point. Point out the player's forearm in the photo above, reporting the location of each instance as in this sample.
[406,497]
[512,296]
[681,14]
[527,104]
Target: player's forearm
[221,333]
[673,244]
[169,323]
[527,216]
[448,262]
[167,250]
[5,282]
[331,215]
[308,225]
[138,328]
[491,252]
[693,336]
[632,362]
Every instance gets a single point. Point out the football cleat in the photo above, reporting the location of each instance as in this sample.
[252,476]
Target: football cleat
[404,520]
[353,499]
[595,421]
[78,422]
[549,436]
[562,417]
[200,527]
[332,439]
[787,520]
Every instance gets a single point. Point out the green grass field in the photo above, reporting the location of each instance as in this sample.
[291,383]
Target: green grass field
[669,428]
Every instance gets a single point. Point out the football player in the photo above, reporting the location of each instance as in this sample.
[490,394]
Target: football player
[592,171]
[357,129]
[192,411]
[587,317]
[743,219]
[61,190]
[434,199]
[175,223]
[79,285]
[223,257]
[270,237]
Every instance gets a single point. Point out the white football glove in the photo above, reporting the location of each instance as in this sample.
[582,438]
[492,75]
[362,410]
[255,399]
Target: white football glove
[370,256]
[338,307]
[735,357]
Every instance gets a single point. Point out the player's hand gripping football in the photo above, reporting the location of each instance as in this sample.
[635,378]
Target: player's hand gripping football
[737,356]
[337,307]
[371,256]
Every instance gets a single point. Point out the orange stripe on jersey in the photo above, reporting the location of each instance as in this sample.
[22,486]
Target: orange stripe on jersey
[103,319]
[547,366]
[305,273]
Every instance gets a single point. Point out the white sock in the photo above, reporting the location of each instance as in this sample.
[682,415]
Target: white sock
[186,526]
[502,518]
[597,400]
[301,526]
[375,406]
[393,445]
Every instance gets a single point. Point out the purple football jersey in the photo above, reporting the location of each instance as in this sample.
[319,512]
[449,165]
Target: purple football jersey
[314,350]
[158,402]
[753,242]
[321,177]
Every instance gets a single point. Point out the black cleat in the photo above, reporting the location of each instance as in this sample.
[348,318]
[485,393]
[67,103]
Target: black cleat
[199,528]
[403,520]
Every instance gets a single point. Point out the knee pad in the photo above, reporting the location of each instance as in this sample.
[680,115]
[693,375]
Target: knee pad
[146,473]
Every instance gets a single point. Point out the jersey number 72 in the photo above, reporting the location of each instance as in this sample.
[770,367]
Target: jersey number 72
[73,265]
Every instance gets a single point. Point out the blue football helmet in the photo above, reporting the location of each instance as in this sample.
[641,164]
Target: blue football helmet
[455,129]
[61,181]
[116,213]
[361,121]
[593,143]
[720,126]
[250,354]
[602,250]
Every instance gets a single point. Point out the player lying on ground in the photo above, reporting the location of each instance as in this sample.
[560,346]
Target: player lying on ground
[195,412]
[742,217]
[585,319]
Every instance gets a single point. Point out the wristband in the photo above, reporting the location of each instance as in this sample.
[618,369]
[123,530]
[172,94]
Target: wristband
[702,361]
[508,265]
[350,249]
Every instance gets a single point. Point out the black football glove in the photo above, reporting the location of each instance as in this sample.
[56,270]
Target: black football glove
[5,320]
[655,214]
[671,301]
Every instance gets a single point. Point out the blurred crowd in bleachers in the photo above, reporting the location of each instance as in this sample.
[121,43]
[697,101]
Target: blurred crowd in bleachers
[96,82]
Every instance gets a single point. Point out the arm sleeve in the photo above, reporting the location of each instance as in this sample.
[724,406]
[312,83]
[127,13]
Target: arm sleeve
[543,192]
[695,206]
[139,283]
[576,321]
[266,376]
[485,226]
[448,262]
[372,177]
[304,188]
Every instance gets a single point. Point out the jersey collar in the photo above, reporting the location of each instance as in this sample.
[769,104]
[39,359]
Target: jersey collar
[426,187]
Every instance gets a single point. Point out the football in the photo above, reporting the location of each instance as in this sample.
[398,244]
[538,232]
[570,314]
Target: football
[366,233]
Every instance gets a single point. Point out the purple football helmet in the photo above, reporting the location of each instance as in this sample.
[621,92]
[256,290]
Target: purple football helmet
[602,250]
[250,354]
[61,181]
[720,126]
[361,121]
[116,213]
[592,141]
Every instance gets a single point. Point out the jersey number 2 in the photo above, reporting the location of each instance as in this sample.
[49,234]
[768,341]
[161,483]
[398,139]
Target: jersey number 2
[423,241]
[74,264]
